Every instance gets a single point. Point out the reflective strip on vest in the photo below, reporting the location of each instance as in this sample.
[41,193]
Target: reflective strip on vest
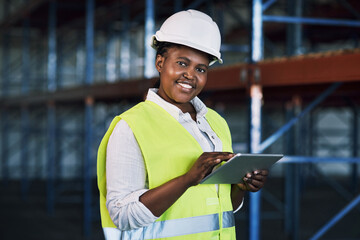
[228,219]
[173,228]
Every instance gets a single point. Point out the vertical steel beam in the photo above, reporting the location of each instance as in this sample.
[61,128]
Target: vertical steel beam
[5,65]
[24,151]
[111,56]
[80,62]
[292,183]
[24,109]
[89,78]
[256,54]
[289,180]
[89,102]
[296,176]
[60,69]
[5,53]
[52,54]
[355,167]
[255,139]
[292,200]
[256,44]
[221,20]
[51,113]
[5,91]
[89,66]
[5,145]
[294,30]
[40,142]
[312,134]
[149,55]
[25,57]
[51,155]
[125,43]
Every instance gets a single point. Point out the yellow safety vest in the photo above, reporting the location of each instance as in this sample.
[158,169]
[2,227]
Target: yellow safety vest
[169,151]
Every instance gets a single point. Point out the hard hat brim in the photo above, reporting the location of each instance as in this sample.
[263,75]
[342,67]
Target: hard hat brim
[159,37]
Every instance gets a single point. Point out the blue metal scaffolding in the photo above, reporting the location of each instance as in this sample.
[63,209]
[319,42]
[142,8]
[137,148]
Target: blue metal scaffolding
[87,133]
[255,129]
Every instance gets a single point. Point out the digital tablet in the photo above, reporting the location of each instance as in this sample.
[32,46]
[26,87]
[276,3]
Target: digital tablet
[236,167]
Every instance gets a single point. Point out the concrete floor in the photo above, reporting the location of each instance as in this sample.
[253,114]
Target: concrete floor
[28,219]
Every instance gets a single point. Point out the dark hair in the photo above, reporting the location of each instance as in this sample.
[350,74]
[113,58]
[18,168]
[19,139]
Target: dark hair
[163,47]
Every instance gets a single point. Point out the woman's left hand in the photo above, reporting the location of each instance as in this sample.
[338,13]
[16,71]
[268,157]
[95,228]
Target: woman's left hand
[254,181]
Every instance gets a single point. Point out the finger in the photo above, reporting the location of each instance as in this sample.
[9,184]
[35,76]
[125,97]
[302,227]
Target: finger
[253,188]
[248,175]
[259,177]
[210,163]
[252,185]
[217,161]
[216,155]
[228,153]
[247,183]
[263,172]
[224,154]
[255,183]
[219,153]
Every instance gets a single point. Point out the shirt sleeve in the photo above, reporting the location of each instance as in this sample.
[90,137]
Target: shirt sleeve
[126,180]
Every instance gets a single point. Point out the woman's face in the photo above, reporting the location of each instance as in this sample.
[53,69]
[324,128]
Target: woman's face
[183,74]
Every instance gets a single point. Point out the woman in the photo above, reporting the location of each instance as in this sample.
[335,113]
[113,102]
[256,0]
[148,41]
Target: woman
[155,154]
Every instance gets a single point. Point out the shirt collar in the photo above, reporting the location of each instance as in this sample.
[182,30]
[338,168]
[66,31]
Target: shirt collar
[173,110]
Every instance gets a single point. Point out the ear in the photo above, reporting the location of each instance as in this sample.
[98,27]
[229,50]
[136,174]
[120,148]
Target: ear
[159,62]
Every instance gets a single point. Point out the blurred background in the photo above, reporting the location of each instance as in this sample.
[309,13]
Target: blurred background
[290,84]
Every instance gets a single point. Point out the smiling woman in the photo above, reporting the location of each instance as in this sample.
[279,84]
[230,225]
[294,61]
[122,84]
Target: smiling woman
[174,131]
[183,75]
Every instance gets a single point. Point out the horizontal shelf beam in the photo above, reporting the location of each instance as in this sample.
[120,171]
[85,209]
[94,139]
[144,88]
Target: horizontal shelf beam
[299,72]
[314,21]
[103,91]
[311,69]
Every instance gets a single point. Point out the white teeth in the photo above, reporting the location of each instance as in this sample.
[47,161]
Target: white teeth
[184,85]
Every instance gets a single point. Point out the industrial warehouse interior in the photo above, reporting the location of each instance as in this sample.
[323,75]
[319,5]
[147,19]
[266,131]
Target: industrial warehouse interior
[289,84]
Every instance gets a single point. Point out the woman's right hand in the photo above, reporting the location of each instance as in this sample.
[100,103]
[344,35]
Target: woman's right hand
[159,199]
[204,165]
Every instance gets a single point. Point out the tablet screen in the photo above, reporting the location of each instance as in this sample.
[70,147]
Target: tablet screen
[235,169]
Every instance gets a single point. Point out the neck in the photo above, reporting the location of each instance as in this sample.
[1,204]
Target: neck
[188,108]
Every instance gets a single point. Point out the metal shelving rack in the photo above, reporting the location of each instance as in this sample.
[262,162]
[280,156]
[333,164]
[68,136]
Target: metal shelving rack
[258,146]
[258,79]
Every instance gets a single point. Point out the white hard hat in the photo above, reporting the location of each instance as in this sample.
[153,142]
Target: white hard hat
[193,29]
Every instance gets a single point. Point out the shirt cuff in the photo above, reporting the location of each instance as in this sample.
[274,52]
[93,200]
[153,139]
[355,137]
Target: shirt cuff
[132,197]
[129,213]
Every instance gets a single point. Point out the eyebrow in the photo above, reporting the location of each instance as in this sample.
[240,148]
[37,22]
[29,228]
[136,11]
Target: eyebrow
[200,64]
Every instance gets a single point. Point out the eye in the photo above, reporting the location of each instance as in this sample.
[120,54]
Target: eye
[183,64]
[201,70]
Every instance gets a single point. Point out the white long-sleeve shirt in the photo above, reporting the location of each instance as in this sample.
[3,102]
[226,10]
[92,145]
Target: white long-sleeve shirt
[126,177]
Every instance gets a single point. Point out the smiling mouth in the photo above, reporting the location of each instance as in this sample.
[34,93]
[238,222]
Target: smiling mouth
[185,85]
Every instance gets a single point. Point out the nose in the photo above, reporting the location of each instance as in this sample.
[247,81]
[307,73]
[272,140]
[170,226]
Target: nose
[188,74]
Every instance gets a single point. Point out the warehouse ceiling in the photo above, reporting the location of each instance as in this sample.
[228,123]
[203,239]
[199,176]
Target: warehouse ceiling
[109,15]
